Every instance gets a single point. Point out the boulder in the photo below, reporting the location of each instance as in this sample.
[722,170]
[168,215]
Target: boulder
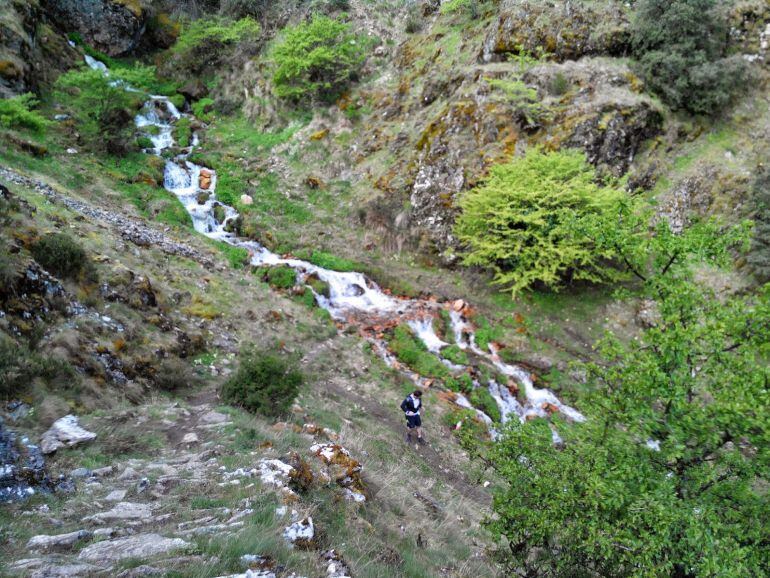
[247,200]
[195,89]
[122,511]
[301,534]
[59,542]
[139,546]
[111,26]
[204,179]
[65,432]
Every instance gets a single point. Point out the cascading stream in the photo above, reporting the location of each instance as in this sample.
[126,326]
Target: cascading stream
[353,298]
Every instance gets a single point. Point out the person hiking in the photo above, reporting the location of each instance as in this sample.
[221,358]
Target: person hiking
[412,408]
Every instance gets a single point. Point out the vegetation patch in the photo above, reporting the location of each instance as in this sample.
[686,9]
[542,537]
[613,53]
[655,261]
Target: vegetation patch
[316,59]
[412,352]
[527,222]
[264,383]
[20,112]
[61,255]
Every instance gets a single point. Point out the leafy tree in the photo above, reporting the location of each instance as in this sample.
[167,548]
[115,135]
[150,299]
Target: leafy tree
[316,59]
[206,43]
[668,475]
[681,50]
[264,383]
[19,112]
[759,257]
[102,106]
[526,221]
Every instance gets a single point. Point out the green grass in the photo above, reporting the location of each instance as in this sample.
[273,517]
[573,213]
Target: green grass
[411,351]
[456,355]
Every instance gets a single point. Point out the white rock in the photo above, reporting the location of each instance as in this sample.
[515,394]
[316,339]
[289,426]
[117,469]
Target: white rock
[123,511]
[128,474]
[116,495]
[274,472]
[213,417]
[246,200]
[138,546]
[300,531]
[252,574]
[65,571]
[352,496]
[61,541]
[67,432]
[190,438]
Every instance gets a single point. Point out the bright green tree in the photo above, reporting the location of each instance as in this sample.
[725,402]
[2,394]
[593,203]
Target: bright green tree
[681,47]
[669,474]
[316,59]
[101,105]
[19,112]
[526,221]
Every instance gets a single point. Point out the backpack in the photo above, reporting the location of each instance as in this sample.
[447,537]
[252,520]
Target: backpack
[406,405]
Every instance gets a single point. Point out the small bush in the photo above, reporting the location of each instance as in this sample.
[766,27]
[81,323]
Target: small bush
[316,59]
[174,375]
[203,109]
[264,383]
[18,112]
[483,400]
[207,42]
[281,277]
[526,222]
[456,355]
[61,255]
[681,50]
[183,132]
[559,85]
[462,384]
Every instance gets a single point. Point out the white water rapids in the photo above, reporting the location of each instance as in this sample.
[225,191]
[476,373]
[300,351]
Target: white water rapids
[353,298]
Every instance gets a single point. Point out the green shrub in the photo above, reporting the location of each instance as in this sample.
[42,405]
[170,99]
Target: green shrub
[183,132]
[173,375]
[281,277]
[412,352]
[18,112]
[103,109]
[759,255]
[486,333]
[144,142]
[526,221]
[456,355]
[316,59]
[60,254]
[524,99]
[483,400]
[203,108]
[207,42]
[681,51]
[264,383]
[559,85]
[461,384]
[471,8]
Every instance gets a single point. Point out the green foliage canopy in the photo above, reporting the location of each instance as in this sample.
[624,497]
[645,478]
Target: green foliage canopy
[681,50]
[526,221]
[668,476]
[316,59]
[19,112]
[264,383]
[101,105]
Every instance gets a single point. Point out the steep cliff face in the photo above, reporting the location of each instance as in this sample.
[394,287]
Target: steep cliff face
[111,26]
[32,54]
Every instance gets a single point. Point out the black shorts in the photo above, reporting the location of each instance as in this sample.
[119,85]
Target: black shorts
[413,421]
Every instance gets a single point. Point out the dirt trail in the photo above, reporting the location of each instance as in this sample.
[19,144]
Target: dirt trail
[431,457]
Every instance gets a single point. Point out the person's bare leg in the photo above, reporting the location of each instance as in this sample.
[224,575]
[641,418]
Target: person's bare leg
[419,432]
[408,435]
